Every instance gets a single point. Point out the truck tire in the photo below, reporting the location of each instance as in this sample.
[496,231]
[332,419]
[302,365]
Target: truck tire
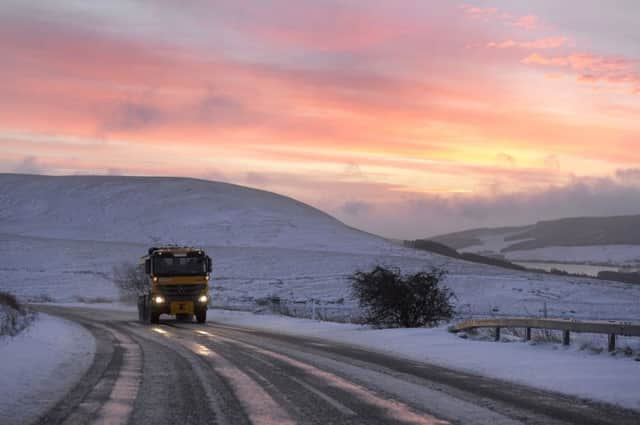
[201,315]
[154,317]
[142,309]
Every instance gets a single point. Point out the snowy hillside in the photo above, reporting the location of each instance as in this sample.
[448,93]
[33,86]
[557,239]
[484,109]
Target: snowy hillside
[592,240]
[60,238]
[167,210]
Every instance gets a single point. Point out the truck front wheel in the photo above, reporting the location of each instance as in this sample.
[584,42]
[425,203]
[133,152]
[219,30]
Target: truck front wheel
[201,315]
[155,317]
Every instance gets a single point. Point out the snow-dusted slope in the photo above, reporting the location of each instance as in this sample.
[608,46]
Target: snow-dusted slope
[168,210]
[61,236]
[592,240]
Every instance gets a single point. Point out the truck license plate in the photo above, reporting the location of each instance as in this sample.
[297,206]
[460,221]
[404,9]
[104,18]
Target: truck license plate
[182,307]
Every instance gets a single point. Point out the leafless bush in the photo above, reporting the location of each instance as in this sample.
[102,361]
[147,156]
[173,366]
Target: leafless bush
[393,299]
[14,317]
[130,280]
[10,301]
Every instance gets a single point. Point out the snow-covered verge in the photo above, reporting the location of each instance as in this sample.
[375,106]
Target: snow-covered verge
[570,370]
[40,365]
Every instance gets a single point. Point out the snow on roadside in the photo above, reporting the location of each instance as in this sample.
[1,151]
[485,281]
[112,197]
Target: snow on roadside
[546,366]
[40,365]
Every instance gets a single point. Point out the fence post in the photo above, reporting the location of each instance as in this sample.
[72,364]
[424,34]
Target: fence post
[497,333]
[528,334]
[612,342]
[566,339]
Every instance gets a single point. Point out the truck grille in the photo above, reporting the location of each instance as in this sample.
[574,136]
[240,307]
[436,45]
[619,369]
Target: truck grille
[178,292]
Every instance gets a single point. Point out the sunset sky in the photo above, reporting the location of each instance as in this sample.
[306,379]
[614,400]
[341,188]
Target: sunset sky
[403,118]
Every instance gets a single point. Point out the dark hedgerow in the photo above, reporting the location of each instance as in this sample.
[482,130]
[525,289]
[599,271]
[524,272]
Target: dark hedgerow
[393,299]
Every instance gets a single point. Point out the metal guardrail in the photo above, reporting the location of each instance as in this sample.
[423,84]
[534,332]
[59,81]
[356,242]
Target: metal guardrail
[611,328]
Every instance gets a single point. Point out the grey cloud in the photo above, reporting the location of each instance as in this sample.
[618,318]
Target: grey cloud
[220,109]
[628,174]
[355,208]
[429,215]
[257,179]
[506,158]
[133,116]
[29,165]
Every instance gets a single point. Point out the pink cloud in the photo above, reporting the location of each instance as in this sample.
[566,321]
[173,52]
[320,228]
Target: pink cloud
[541,43]
[528,22]
[592,68]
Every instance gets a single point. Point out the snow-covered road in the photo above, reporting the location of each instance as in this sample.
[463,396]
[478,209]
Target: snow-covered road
[231,374]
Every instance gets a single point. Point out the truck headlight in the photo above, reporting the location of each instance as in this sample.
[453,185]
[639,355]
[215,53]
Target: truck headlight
[155,279]
[203,299]
[159,299]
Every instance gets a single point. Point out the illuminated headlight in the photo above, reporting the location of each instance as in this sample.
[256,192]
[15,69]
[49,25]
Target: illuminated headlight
[159,299]
[155,279]
[206,277]
[203,299]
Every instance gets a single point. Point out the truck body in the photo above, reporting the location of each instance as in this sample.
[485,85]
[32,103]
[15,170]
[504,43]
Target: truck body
[177,282]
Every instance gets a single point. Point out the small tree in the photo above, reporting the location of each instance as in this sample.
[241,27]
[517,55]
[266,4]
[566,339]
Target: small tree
[130,280]
[393,299]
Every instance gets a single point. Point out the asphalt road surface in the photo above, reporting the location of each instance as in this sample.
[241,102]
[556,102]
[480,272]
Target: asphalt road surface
[186,373]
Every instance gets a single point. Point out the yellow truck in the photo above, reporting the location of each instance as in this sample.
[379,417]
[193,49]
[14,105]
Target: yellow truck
[178,283]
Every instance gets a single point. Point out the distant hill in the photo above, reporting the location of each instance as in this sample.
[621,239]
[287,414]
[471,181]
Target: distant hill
[579,231]
[614,240]
[168,210]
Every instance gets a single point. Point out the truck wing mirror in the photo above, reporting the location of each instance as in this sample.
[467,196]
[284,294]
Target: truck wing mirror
[147,266]
[209,265]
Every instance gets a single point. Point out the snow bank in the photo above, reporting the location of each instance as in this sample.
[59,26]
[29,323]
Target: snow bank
[598,377]
[40,365]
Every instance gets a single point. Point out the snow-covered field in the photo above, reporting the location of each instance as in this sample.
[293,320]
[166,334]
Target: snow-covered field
[61,236]
[621,255]
[40,365]
[616,255]
[579,372]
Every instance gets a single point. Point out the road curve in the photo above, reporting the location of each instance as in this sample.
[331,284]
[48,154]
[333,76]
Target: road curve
[178,372]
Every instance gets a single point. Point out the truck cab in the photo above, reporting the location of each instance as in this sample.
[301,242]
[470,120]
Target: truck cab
[178,282]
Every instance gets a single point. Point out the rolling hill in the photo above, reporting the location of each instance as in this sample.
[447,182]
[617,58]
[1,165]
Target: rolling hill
[168,210]
[613,240]
[60,238]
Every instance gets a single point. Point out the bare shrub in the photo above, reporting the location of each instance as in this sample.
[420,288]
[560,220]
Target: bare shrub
[10,301]
[130,280]
[14,317]
[391,298]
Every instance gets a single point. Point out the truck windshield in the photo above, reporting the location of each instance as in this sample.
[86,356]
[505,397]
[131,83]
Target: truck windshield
[179,266]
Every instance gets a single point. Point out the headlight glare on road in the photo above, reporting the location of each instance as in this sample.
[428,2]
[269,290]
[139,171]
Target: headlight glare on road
[159,299]
[202,299]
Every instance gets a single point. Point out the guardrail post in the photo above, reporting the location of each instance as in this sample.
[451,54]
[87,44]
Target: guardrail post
[566,339]
[497,334]
[612,342]
[528,334]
